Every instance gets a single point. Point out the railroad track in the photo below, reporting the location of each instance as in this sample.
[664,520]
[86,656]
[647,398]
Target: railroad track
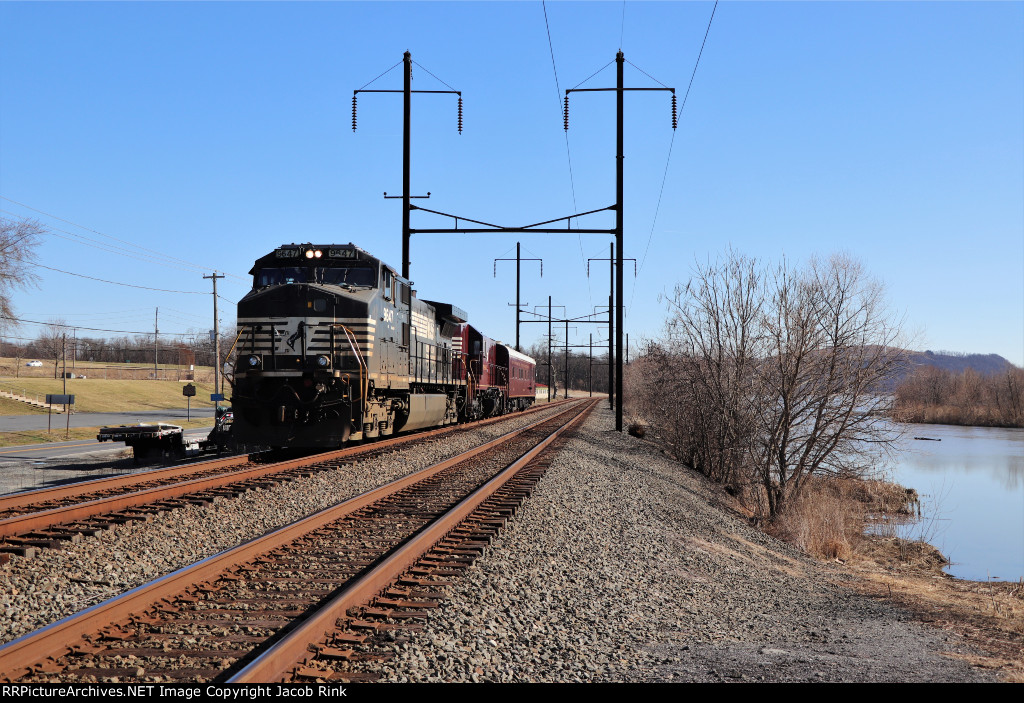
[48,518]
[331,581]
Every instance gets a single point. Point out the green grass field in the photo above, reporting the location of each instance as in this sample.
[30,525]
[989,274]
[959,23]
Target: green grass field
[96,395]
[100,395]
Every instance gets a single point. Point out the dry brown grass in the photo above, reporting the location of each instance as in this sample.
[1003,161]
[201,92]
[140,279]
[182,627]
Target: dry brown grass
[988,615]
[828,522]
[828,518]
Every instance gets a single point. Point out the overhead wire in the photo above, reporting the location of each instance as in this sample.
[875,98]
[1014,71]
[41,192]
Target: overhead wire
[671,144]
[568,153]
[117,283]
[159,254]
[622,26]
[94,329]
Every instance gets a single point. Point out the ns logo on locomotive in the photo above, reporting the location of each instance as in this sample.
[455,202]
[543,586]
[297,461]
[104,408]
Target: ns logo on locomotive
[335,346]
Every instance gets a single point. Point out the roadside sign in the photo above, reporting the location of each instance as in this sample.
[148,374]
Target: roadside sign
[216,396]
[55,399]
[188,390]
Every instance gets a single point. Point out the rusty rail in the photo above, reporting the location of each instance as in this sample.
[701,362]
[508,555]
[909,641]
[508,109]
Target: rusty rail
[42,520]
[275,663]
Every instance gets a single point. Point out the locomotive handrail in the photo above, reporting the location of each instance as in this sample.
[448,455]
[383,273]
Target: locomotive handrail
[362,368]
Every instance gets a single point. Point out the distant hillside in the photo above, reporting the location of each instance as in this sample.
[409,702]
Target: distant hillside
[958,363]
[953,362]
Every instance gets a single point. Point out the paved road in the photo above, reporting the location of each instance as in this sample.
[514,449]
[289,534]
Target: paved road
[72,448]
[22,423]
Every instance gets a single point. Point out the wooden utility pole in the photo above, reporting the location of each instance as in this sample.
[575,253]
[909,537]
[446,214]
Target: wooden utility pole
[216,344]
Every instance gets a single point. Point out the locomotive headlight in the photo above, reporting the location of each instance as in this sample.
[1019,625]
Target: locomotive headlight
[323,361]
[254,361]
[318,253]
[309,253]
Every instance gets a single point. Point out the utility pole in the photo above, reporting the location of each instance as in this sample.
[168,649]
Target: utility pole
[156,344]
[611,325]
[549,349]
[216,345]
[620,91]
[407,92]
[518,261]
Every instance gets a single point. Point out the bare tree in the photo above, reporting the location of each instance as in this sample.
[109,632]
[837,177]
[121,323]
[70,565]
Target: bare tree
[52,341]
[834,350]
[18,241]
[713,332]
[767,377]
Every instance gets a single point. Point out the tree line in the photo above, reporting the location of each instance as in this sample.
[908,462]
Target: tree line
[934,395]
[584,370]
[57,343]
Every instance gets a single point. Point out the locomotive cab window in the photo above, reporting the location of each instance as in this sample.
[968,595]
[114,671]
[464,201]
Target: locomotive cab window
[344,276]
[354,276]
[388,283]
[276,276]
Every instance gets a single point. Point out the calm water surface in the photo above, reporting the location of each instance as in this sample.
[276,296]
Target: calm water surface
[972,488]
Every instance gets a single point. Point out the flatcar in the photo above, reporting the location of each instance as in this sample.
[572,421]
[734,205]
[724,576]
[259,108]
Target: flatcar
[334,346]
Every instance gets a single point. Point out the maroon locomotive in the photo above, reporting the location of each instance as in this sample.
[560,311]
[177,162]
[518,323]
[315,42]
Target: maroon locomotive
[498,378]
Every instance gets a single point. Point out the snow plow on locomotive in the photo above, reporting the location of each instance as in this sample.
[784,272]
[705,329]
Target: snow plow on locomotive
[334,346]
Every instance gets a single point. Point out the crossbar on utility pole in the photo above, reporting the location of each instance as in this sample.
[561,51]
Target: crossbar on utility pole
[518,261]
[620,90]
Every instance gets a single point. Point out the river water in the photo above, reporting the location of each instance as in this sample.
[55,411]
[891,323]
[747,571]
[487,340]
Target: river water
[972,489]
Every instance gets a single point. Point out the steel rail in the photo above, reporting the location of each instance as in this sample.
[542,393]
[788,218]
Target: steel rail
[53,641]
[44,519]
[275,663]
[24,498]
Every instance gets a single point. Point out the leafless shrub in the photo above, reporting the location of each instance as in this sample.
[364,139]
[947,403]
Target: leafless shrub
[825,519]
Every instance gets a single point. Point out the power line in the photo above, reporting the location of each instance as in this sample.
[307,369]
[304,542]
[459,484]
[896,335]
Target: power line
[97,329]
[568,154]
[116,239]
[669,158]
[699,54]
[117,283]
[622,28]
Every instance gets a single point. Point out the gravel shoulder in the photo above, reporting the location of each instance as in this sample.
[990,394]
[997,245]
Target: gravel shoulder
[621,567]
[625,567]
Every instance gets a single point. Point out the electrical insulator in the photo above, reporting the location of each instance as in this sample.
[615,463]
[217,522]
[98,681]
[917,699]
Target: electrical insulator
[674,121]
[566,113]
[353,113]
[460,114]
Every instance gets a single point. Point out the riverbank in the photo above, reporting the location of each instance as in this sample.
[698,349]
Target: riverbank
[988,615]
[953,415]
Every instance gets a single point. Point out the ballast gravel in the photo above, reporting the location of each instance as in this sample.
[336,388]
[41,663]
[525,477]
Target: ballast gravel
[622,566]
[56,583]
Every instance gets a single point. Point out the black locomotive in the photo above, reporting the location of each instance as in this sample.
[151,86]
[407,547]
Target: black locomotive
[334,346]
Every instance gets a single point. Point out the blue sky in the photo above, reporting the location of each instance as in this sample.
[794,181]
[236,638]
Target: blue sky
[209,133]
